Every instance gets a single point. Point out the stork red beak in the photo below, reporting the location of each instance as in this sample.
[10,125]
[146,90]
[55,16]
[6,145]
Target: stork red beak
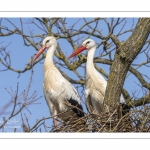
[79,50]
[41,50]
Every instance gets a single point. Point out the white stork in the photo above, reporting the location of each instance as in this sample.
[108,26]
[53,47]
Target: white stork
[58,91]
[95,82]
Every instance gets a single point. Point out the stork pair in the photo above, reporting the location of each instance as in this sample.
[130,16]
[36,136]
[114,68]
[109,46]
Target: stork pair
[61,96]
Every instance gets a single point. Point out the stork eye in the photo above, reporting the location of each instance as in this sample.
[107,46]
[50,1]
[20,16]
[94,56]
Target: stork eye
[87,42]
[47,41]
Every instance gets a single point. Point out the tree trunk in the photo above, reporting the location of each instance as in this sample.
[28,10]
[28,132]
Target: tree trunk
[124,56]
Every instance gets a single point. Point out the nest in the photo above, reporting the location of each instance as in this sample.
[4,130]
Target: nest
[134,121]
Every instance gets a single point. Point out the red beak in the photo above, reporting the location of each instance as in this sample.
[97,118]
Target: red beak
[41,50]
[79,50]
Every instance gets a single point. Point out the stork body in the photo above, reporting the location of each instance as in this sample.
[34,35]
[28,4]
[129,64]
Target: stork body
[95,82]
[58,91]
[95,86]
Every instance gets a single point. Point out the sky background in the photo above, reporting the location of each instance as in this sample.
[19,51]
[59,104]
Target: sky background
[20,56]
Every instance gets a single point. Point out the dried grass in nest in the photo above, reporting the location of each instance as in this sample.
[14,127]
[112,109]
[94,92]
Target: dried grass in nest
[134,121]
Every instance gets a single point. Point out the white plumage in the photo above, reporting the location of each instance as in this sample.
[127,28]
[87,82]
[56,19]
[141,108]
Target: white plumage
[95,82]
[58,91]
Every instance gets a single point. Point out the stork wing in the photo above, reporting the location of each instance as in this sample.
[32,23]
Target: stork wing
[74,99]
[60,89]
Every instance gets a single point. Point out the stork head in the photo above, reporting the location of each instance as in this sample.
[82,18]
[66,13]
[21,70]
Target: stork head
[47,42]
[86,45]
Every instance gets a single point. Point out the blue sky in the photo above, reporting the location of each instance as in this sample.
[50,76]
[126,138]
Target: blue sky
[21,54]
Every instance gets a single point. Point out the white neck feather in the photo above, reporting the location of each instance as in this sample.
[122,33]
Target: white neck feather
[49,64]
[50,54]
[90,69]
[90,65]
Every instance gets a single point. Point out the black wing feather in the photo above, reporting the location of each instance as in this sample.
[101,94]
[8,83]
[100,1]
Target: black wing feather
[125,109]
[77,111]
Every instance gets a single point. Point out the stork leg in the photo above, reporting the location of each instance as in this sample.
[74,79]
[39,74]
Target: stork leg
[56,123]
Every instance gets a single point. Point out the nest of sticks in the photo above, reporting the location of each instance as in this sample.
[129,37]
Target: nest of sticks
[134,121]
